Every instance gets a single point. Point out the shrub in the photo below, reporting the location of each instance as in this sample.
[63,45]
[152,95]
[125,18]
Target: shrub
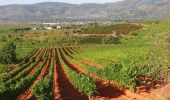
[134,34]
[8,54]
[110,40]
[33,60]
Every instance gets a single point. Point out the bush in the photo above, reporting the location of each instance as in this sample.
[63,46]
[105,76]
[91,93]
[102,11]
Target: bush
[111,40]
[134,34]
[33,60]
[8,54]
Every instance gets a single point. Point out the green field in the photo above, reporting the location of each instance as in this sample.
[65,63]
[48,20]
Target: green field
[51,62]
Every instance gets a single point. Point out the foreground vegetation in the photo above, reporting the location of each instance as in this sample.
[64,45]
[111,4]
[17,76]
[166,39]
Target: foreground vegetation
[126,52]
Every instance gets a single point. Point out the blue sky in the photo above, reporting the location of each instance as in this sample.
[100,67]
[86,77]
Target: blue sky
[5,2]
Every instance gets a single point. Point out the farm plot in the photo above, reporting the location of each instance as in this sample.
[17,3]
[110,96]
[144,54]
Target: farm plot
[57,74]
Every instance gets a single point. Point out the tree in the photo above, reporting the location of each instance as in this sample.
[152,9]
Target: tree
[8,54]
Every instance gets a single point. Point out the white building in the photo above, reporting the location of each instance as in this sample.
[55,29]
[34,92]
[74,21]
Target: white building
[58,27]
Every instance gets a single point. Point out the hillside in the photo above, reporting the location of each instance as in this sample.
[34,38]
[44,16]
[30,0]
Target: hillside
[127,9]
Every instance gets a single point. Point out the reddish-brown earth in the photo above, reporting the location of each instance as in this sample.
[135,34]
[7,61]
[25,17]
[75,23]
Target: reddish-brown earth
[16,66]
[67,90]
[111,92]
[27,95]
[55,80]
[73,49]
[36,66]
[64,90]
[67,53]
[13,67]
[89,63]
[68,49]
[36,53]
[105,90]
[46,52]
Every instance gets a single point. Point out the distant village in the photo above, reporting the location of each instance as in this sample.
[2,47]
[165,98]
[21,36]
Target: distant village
[43,26]
[54,26]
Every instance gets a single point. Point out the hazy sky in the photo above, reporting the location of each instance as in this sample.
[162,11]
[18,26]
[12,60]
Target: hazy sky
[5,2]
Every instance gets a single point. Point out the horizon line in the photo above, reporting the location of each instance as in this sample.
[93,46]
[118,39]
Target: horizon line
[57,2]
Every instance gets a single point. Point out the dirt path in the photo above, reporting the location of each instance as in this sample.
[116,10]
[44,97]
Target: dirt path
[55,80]
[67,90]
[27,95]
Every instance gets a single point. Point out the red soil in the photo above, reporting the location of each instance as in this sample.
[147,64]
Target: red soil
[36,53]
[16,66]
[67,90]
[68,49]
[105,90]
[63,49]
[110,92]
[27,95]
[46,52]
[35,68]
[13,67]
[55,81]
[45,69]
[161,93]
[89,63]
[71,48]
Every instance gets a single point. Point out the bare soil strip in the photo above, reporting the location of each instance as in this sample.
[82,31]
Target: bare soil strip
[68,49]
[71,48]
[56,78]
[127,94]
[63,49]
[36,53]
[105,90]
[13,67]
[67,90]
[34,69]
[27,95]
[88,63]
[46,52]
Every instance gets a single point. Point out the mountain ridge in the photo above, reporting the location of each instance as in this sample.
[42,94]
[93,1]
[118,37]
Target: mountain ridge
[127,9]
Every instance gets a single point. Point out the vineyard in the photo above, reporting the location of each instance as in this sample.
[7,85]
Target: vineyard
[104,62]
[56,73]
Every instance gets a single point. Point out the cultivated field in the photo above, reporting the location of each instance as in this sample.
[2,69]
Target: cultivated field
[128,61]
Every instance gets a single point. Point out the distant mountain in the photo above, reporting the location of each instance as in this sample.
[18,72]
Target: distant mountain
[127,9]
